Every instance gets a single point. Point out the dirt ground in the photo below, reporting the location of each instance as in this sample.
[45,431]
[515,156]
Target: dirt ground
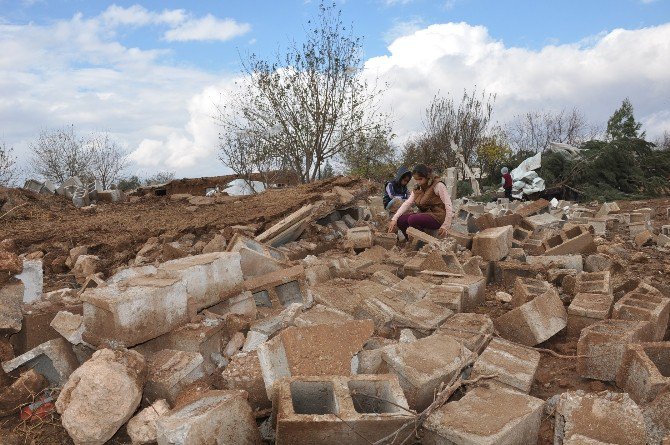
[116,232]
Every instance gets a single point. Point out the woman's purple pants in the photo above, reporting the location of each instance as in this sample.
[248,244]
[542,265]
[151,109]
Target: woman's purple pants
[421,221]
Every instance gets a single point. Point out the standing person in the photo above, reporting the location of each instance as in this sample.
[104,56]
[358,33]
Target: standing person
[396,191]
[506,182]
[433,201]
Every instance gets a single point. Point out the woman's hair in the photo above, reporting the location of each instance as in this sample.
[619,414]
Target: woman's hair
[422,170]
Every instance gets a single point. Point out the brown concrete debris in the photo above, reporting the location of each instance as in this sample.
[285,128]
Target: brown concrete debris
[332,410]
[279,289]
[506,272]
[54,359]
[473,331]
[525,289]
[10,264]
[297,218]
[170,371]
[577,239]
[533,208]
[418,235]
[313,350]
[85,266]
[11,300]
[515,365]
[385,240]
[110,379]
[587,309]
[606,416]
[21,392]
[493,244]
[533,322]
[645,371]
[486,416]
[74,254]
[658,420]
[244,373]
[360,237]
[69,325]
[645,306]
[214,417]
[595,283]
[601,346]
[142,427]
[385,278]
[217,244]
[320,314]
[423,365]
[644,238]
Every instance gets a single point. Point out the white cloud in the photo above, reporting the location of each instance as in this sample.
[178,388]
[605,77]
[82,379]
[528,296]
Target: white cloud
[207,28]
[449,58]
[137,15]
[402,28]
[647,2]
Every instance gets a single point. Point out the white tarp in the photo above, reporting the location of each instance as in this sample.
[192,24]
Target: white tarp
[525,180]
[530,164]
[568,151]
[240,187]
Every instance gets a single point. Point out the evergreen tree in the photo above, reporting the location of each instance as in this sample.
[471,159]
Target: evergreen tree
[622,124]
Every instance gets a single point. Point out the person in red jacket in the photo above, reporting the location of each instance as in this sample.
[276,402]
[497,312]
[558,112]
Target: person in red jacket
[507,182]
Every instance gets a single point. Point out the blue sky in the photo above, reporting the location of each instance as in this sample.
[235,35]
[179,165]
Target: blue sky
[150,71]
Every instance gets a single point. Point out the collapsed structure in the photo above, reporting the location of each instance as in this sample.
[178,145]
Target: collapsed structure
[322,330]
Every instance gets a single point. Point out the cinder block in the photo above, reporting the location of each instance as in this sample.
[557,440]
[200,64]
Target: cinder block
[473,331]
[134,311]
[360,237]
[208,278]
[474,290]
[332,410]
[450,297]
[493,244]
[214,417]
[525,289]
[533,207]
[535,321]
[594,283]
[506,272]
[645,307]
[607,417]
[587,309]
[574,240]
[421,366]
[601,346]
[645,371]
[170,371]
[486,416]
[515,364]
[313,350]
[53,359]
[239,241]
[562,261]
[277,290]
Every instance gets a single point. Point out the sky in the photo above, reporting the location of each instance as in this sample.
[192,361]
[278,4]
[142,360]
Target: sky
[151,73]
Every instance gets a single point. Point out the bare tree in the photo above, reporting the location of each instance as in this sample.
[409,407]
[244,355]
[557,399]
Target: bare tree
[249,157]
[60,154]
[107,161]
[663,142]
[161,177]
[8,169]
[373,156]
[309,105]
[533,131]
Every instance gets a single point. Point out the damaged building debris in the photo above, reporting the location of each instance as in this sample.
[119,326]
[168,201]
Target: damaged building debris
[530,322]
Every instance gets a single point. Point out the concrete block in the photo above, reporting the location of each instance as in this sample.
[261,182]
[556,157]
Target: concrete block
[423,365]
[601,346]
[170,371]
[572,241]
[385,240]
[473,331]
[314,350]
[207,277]
[360,237]
[561,261]
[53,359]
[32,278]
[587,309]
[278,290]
[533,207]
[320,314]
[606,417]
[515,364]
[526,289]
[254,264]
[544,221]
[645,307]
[240,241]
[418,235]
[450,297]
[332,410]
[594,283]
[474,290]
[244,373]
[607,208]
[645,371]
[134,311]
[216,417]
[493,244]
[506,272]
[15,394]
[534,322]
[486,416]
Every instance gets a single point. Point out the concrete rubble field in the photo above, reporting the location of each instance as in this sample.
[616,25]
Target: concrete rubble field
[292,317]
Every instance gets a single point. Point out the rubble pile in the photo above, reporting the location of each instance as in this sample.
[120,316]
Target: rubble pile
[531,322]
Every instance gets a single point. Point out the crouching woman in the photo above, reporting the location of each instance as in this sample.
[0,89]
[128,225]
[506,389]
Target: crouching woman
[432,199]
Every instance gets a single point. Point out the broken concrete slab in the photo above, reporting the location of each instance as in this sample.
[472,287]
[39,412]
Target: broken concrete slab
[53,359]
[607,417]
[645,370]
[515,365]
[207,277]
[313,350]
[214,417]
[110,379]
[320,314]
[254,264]
[85,266]
[240,241]
[534,322]
[587,309]
[334,410]
[170,371]
[474,288]
[601,346]
[289,228]
[486,416]
[418,235]
[134,311]
[422,366]
[493,244]
[645,307]
[142,428]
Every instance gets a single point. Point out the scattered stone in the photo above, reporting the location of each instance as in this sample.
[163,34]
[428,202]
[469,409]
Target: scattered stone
[597,263]
[503,297]
[142,427]
[85,266]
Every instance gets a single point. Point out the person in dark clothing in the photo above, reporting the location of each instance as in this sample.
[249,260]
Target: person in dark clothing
[396,190]
[507,182]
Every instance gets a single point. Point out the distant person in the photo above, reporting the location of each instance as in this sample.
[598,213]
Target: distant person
[506,182]
[432,198]
[396,191]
